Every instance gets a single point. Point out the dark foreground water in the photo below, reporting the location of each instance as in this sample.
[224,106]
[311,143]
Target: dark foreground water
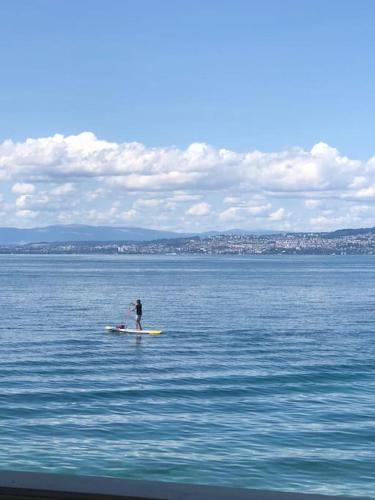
[264,378]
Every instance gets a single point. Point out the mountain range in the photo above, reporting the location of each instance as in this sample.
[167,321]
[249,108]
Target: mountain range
[78,232]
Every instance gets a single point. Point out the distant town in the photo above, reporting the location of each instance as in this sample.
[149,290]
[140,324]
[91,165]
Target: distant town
[342,242]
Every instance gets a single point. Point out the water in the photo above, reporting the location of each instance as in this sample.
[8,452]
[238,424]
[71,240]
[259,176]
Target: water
[264,378]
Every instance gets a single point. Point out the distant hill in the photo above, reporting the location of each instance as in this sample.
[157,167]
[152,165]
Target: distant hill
[239,232]
[350,232]
[77,232]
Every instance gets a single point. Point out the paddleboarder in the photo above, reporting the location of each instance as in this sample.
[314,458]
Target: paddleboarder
[138,313]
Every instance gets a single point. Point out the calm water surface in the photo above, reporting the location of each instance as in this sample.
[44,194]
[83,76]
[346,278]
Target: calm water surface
[264,378]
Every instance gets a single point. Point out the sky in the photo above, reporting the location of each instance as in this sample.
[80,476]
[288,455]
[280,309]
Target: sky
[188,115]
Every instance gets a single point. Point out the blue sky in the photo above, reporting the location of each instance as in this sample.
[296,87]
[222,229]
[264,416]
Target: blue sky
[238,75]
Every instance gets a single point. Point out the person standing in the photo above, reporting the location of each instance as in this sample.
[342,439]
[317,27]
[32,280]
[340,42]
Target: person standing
[138,314]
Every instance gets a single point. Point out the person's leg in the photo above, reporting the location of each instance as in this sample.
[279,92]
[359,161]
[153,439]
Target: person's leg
[138,323]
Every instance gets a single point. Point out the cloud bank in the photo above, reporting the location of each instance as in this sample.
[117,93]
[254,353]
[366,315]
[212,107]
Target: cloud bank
[81,179]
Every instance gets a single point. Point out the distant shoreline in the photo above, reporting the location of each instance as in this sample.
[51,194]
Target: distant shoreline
[338,243]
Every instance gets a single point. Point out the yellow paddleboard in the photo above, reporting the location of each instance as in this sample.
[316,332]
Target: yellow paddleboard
[132,330]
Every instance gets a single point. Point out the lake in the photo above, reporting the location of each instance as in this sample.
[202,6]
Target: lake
[263,378]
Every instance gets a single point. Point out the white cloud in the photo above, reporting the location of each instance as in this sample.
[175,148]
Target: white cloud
[181,197]
[232,199]
[358,182]
[34,201]
[368,192]
[28,214]
[361,209]
[80,178]
[278,215]
[258,210]
[63,189]
[94,195]
[200,166]
[147,203]
[23,188]
[312,203]
[244,212]
[327,223]
[202,208]
[126,216]
[21,201]
[229,214]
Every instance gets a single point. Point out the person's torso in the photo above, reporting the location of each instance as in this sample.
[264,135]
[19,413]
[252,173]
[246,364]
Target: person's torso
[138,309]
